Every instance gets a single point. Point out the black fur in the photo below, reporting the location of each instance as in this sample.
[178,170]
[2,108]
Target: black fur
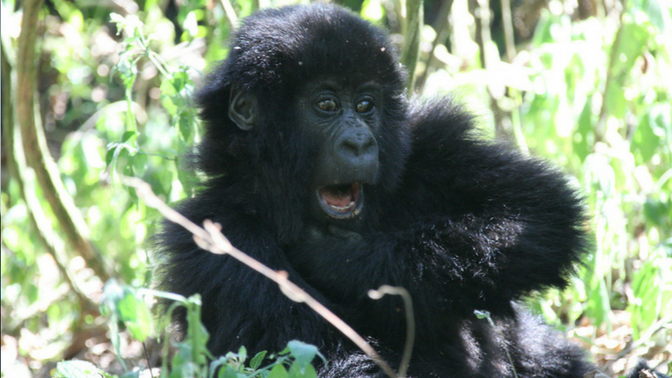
[462,223]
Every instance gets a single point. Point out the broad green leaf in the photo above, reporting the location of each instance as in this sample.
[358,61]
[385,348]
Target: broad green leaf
[227,373]
[136,316]
[658,15]
[167,88]
[299,371]
[278,371]
[302,352]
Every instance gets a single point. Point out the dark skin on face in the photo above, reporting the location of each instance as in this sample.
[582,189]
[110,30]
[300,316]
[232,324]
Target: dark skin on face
[343,119]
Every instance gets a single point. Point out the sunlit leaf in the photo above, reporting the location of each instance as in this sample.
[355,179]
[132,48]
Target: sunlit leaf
[583,137]
[658,15]
[136,315]
[78,369]
[372,10]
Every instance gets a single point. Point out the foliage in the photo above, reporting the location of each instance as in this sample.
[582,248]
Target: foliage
[126,306]
[593,94]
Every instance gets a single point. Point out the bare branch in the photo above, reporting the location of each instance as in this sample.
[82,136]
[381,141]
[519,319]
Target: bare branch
[35,149]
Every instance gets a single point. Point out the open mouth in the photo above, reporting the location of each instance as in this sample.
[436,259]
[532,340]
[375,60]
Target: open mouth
[341,201]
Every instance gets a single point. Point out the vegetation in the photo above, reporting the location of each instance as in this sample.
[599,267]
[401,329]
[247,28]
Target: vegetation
[94,91]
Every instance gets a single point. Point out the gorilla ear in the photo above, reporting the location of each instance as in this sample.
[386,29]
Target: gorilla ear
[243,108]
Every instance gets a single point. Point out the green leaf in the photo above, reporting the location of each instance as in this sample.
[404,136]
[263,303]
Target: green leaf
[136,315]
[174,85]
[169,105]
[168,87]
[242,353]
[302,352]
[127,70]
[298,371]
[616,102]
[583,137]
[256,361]
[227,373]
[658,213]
[659,16]
[111,154]
[543,34]
[645,140]
[197,334]
[185,126]
[140,163]
[598,306]
[78,369]
[183,364]
[278,371]
[128,135]
[635,38]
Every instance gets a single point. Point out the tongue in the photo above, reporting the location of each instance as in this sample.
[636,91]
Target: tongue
[336,199]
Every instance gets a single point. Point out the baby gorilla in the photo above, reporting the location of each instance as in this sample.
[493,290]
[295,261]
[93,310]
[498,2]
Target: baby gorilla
[318,165]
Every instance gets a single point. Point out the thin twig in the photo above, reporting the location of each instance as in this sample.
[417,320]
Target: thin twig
[230,13]
[211,239]
[412,40]
[507,23]
[410,321]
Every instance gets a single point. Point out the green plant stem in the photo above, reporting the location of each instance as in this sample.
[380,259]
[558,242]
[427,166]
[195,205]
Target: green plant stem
[613,59]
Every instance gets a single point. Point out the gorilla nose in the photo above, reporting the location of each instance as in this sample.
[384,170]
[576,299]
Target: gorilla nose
[356,156]
[357,145]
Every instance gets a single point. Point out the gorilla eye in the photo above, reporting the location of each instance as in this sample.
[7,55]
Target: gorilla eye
[364,106]
[328,105]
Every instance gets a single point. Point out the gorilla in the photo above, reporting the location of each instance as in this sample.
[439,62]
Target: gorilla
[315,163]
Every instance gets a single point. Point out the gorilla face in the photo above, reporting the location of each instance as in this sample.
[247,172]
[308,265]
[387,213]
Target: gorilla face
[343,121]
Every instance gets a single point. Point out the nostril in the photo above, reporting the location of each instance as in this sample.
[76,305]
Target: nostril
[353,147]
[358,144]
[370,143]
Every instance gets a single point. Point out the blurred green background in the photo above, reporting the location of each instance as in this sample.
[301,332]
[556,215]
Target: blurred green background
[586,84]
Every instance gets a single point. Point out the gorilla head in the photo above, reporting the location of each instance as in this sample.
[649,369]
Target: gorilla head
[301,120]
